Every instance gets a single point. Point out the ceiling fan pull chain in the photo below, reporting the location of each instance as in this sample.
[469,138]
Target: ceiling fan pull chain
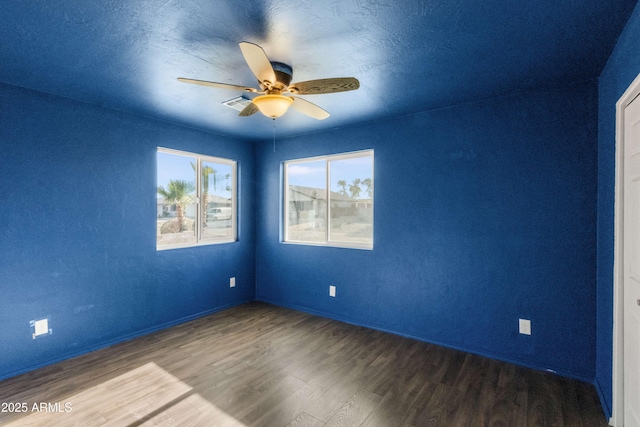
[274,135]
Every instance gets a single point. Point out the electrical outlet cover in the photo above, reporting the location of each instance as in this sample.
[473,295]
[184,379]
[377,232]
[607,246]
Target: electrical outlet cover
[41,327]
[525,326]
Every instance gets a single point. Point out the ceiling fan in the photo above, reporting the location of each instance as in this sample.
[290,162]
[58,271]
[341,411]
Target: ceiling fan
[274,79]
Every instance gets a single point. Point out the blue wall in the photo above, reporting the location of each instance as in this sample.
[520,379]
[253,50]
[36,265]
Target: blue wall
[623,66]
[77,234]
[484,213]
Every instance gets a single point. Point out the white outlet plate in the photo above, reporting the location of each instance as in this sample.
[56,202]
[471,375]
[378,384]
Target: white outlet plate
[332,291]
[232,282]
[525,326]
[40,327]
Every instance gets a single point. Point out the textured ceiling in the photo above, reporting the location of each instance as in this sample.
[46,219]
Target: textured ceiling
[409,56]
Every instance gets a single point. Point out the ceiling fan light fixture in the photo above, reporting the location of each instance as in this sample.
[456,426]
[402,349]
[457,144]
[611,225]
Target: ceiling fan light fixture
[273,106]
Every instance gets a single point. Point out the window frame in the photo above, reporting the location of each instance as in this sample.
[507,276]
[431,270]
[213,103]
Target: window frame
[201,240]
[327,159]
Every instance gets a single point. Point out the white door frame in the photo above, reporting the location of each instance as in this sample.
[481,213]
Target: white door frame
[617,415]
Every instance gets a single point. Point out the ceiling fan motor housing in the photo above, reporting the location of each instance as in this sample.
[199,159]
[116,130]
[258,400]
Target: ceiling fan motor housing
[284,73]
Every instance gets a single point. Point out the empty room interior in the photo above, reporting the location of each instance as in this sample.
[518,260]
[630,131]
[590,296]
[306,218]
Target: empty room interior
[358,213]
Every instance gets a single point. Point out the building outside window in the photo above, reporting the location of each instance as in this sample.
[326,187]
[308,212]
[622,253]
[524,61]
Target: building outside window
[341,216]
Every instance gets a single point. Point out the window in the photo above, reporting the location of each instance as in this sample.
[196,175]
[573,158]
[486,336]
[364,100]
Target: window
[196,199]
[342,216]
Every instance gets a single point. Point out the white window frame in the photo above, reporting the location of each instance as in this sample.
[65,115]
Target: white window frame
[199,159]
[328,159]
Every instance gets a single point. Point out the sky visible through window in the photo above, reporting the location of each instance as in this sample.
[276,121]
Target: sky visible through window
[312,174]
[172,166]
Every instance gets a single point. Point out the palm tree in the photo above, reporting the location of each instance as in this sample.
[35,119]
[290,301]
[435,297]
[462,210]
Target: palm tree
[227,186]
[179,194]
[342,183]
[206,171]
[368,184]
[354,188]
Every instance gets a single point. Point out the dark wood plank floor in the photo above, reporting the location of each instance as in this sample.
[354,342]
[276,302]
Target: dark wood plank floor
[260,365]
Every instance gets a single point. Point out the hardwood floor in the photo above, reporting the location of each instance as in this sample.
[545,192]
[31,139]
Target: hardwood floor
[260,365]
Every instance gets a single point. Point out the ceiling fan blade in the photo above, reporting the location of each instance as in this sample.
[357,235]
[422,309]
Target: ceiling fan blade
[218,85]
[315,87]
[309,108]
[249,110]
[259,62]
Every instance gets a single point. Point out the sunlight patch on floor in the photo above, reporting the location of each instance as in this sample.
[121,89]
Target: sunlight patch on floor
[145,396]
